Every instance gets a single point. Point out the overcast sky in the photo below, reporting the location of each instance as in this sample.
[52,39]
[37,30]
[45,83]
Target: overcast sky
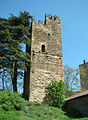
[74,23]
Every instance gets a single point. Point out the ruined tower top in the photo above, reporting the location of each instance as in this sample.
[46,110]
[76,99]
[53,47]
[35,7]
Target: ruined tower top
[48,34]
[49,18]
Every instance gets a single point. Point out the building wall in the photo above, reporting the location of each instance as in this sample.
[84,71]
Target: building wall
[80,104]
[84,75]
[46,66]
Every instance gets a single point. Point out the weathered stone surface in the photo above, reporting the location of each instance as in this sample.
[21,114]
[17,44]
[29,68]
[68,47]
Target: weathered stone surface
[46,66]
[46,57]
[84,75]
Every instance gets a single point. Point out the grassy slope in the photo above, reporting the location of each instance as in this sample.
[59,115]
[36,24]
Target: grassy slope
[36,111]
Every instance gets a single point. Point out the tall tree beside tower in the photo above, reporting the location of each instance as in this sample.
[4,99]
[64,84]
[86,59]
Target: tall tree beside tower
[15,33]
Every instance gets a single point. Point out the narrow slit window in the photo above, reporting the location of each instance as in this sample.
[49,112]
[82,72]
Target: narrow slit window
[43,48]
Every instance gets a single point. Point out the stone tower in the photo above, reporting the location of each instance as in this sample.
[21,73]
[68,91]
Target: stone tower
[46,57]
[84,75]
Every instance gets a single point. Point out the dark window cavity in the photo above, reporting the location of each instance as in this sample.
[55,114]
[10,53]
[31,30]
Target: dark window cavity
[43,48]
[48,34]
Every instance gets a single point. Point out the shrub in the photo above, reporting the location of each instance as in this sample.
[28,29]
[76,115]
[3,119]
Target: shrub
[56,94]
[11,101]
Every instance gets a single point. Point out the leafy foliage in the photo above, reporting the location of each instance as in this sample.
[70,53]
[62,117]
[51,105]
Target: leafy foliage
[56,93]
[71,79]
[11,101]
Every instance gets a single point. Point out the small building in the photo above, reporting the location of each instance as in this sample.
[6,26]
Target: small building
[79,102]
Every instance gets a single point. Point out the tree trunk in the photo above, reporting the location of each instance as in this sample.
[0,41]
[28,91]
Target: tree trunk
[3,83]
[26,87]
[3,79]
[14,76]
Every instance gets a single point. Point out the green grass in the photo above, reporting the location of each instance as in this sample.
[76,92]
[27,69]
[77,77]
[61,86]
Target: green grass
[36,111]
[13,107]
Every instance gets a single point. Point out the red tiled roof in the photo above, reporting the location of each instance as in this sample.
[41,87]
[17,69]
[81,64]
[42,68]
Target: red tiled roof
[77,95]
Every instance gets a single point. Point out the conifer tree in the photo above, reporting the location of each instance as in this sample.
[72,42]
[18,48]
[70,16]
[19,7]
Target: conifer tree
[15,33]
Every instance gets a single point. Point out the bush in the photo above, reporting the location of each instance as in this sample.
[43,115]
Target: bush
[56,94]
[11,101]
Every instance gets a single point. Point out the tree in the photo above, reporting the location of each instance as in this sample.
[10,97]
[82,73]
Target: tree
[56,94]
[15,32]
[5,79]
[71,80]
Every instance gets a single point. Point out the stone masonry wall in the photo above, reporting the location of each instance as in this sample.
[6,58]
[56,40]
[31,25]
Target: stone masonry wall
[84,75]
[46,64]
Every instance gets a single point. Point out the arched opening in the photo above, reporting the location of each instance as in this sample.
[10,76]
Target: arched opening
[43,48]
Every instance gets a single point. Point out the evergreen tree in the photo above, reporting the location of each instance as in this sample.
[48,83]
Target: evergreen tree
[15,33]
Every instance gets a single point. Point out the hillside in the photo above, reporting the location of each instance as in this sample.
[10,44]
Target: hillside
[17,110]
[37,112]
